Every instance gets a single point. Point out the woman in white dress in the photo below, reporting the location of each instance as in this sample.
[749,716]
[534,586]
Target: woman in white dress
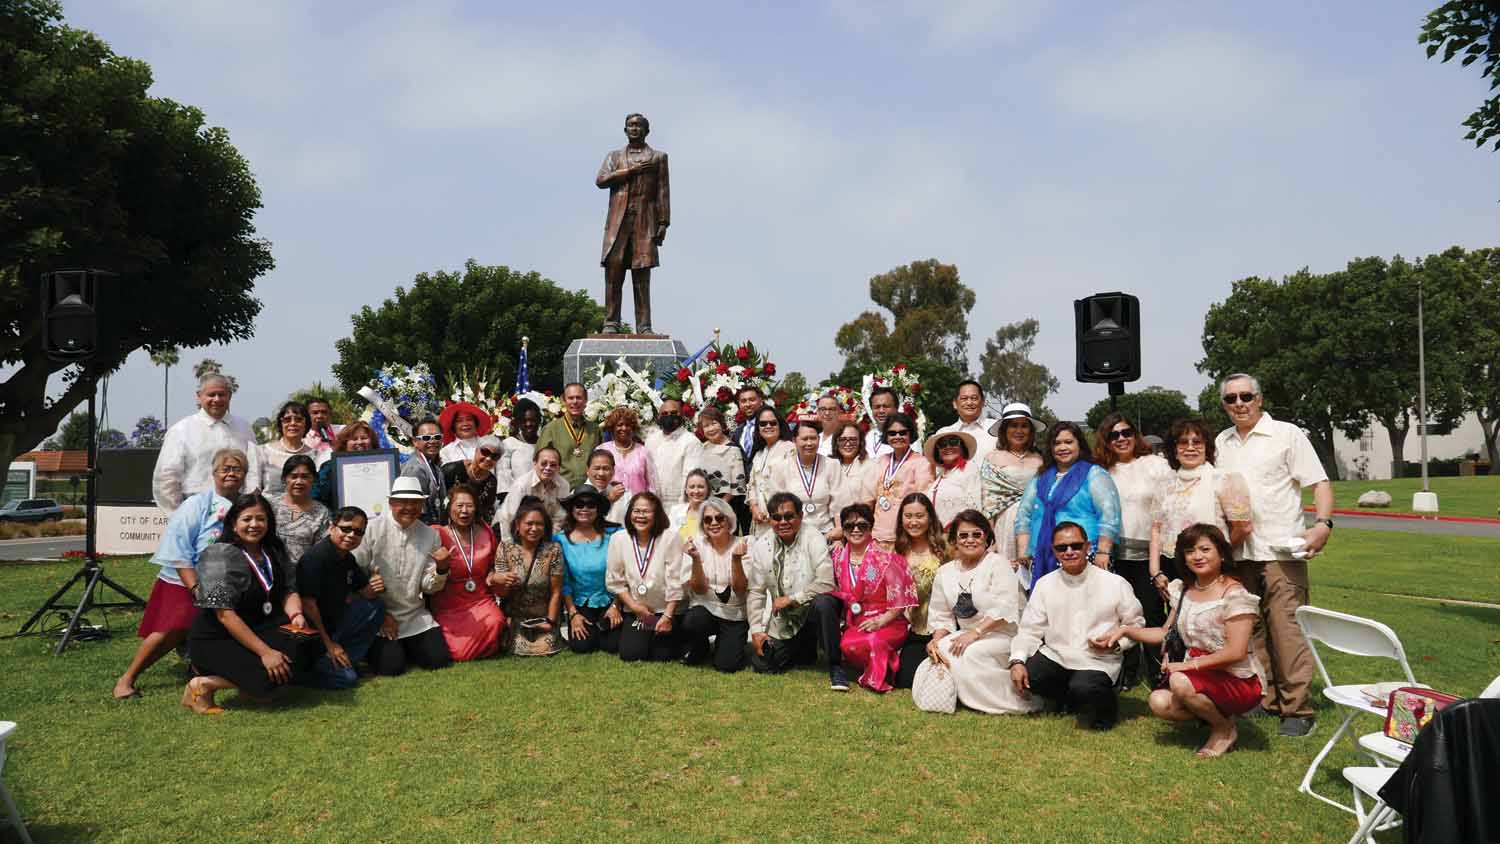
[810,476]
[976,604]
[956,487]
[772,445]
[1006,471]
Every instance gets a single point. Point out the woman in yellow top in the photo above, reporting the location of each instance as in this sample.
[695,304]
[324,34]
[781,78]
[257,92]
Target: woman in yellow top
[921,541]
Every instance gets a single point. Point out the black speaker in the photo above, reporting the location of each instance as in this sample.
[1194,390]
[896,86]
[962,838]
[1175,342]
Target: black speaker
[70,322]
[125,476]
[1108,331]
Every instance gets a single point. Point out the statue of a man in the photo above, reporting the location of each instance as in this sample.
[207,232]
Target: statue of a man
[639,211]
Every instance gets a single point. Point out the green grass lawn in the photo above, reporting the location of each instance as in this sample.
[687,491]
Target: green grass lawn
[1477,496]
[589,749]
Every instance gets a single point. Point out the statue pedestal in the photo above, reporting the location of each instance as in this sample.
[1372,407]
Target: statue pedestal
[658,351]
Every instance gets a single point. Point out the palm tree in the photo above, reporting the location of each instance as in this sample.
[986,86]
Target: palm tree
[166,358]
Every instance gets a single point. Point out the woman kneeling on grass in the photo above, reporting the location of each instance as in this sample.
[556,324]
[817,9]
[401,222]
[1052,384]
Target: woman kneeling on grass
[245,597]
[1219,677]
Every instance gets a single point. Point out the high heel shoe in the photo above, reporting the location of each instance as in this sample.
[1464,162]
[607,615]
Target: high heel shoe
[193,698]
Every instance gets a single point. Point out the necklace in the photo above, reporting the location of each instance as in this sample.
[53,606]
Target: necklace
[1201,588]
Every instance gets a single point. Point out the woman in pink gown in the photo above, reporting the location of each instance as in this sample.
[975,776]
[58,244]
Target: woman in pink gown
[466,608]
[876,587]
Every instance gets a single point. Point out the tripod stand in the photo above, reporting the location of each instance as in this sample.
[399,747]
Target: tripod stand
[92,573]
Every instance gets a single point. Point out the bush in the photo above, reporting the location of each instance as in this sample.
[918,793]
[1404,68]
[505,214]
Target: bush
[1440,468]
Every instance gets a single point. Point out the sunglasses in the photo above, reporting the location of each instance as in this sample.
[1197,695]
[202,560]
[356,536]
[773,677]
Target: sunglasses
[855,527]
[1244,398]
[970,534]
[950,443]
[897,432]
[1119,434]
[429,438]
[287,420]
[785,517]
[490,453]
[848,440]
[1194,443]
[585,505]
[350,531]
[766,423]
[1063,547]
[715,520]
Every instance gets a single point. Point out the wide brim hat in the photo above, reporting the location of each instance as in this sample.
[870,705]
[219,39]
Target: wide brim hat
[1015,410]
[929,448]
[483,424]
[585,491]
[407,486]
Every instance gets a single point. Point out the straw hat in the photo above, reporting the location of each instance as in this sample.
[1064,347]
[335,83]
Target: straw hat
[929,448]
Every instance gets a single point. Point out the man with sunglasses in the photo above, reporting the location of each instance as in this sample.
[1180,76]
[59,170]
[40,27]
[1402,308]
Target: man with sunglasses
[791,573]
[1058,651]
[1277,461]
[340,601]
[425,467]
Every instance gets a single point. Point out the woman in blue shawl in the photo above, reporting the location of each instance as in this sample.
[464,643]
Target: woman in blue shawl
[1069,488]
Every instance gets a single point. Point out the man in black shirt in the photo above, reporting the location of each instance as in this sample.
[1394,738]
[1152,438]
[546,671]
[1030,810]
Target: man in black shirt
[340,601]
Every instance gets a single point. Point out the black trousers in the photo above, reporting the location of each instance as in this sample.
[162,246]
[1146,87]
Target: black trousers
[1073,690]
[598,638]
[729,639]
[427,649]
[820,630]
[640,644]
[912,654]
[1142,662]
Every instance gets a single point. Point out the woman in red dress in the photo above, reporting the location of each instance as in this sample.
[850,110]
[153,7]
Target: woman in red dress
[466,608]
[876,587]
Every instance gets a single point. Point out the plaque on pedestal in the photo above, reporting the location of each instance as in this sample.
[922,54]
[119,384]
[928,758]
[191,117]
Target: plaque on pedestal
[659,352]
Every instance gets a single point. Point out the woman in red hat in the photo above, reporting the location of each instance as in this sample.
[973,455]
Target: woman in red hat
[464,426]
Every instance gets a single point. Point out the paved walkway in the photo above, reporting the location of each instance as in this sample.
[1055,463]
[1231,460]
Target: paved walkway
[1431,527]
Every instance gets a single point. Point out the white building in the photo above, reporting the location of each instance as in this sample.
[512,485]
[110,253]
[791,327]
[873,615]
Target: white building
[1368,457]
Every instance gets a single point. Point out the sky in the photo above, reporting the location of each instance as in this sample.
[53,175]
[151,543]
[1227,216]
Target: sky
[1050,150]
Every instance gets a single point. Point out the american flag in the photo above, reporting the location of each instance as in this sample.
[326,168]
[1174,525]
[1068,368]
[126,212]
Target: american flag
[523,380]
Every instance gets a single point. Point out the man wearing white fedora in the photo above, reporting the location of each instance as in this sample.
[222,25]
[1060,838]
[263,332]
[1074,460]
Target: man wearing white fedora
[412,563]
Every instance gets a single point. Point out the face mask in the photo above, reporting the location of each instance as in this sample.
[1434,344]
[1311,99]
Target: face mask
[669,422]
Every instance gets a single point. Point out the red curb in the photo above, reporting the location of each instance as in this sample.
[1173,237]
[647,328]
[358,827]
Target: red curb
[1478,520]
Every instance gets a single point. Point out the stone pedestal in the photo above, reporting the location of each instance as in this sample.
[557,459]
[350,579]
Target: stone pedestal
[660,352]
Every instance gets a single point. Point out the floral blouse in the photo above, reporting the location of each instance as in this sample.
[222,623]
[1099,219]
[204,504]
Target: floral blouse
[1203,622]
[300,529]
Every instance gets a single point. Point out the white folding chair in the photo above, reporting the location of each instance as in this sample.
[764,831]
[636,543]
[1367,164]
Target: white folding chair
[1348,634]
[1369,781]
[6,728]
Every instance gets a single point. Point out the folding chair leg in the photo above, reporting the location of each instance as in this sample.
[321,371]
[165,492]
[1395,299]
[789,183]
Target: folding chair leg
[15,815]
[1307,778]
[1366,831]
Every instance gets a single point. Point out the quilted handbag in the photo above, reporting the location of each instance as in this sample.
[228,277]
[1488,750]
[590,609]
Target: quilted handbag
[1410,708]
[933,689]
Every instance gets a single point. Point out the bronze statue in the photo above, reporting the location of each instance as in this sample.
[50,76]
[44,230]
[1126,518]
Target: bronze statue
[640,210]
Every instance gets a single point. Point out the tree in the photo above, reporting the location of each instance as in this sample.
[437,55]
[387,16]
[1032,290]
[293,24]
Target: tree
[476,318]
[930,308]
[792,389]
[96,173]
[1153,410]
[1211,408]
[74,436]
[1278,331]
[209,365]
[1007,372]
[1478,356]
[1470,27]
[166,359]
[148,433]
[339,403]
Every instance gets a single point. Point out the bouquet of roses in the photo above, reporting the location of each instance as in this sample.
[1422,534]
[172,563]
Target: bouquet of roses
[849,403]
[719,374]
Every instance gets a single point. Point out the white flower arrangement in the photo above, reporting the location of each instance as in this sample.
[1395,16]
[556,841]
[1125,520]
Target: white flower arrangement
[907,387]
[620,385]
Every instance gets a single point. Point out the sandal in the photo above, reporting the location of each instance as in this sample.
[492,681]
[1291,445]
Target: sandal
[192,698]
[1209,752]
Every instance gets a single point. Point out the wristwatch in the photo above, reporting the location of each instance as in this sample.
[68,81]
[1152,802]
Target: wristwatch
[1015,662]
[1328,522]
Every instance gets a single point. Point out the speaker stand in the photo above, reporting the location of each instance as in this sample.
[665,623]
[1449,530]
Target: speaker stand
[1116,389]
[92,572]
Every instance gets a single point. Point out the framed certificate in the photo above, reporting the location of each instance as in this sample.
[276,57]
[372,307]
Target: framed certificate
[363,478]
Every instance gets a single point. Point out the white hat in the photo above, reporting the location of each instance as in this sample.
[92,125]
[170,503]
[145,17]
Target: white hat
[1015,410]
[407,486]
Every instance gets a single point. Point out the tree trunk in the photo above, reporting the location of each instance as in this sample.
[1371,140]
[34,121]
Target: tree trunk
[1395,431]
[1489,423]
[166,372]
[1322,443]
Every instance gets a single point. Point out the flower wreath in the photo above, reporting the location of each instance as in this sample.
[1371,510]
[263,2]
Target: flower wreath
[721,372]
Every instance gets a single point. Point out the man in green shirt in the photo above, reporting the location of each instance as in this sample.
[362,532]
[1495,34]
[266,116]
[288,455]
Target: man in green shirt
[574,437]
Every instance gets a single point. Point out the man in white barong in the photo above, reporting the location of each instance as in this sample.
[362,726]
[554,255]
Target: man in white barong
[674,450]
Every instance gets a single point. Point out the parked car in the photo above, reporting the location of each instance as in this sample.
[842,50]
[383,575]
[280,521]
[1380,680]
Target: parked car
[31,510]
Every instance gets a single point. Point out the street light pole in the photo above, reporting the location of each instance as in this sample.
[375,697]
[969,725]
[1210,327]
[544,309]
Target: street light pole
[1424,501]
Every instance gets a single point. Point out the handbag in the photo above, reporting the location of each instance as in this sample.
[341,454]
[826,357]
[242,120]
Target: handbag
[1410,708]
[1173,648]
[933,689]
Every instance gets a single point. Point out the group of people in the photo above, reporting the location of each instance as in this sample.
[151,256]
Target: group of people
[1023,573]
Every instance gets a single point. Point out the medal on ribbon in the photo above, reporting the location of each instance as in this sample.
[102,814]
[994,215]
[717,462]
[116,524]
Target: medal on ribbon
[642,562]
[267,578]
[809,480]
[466,556]
[577,436]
